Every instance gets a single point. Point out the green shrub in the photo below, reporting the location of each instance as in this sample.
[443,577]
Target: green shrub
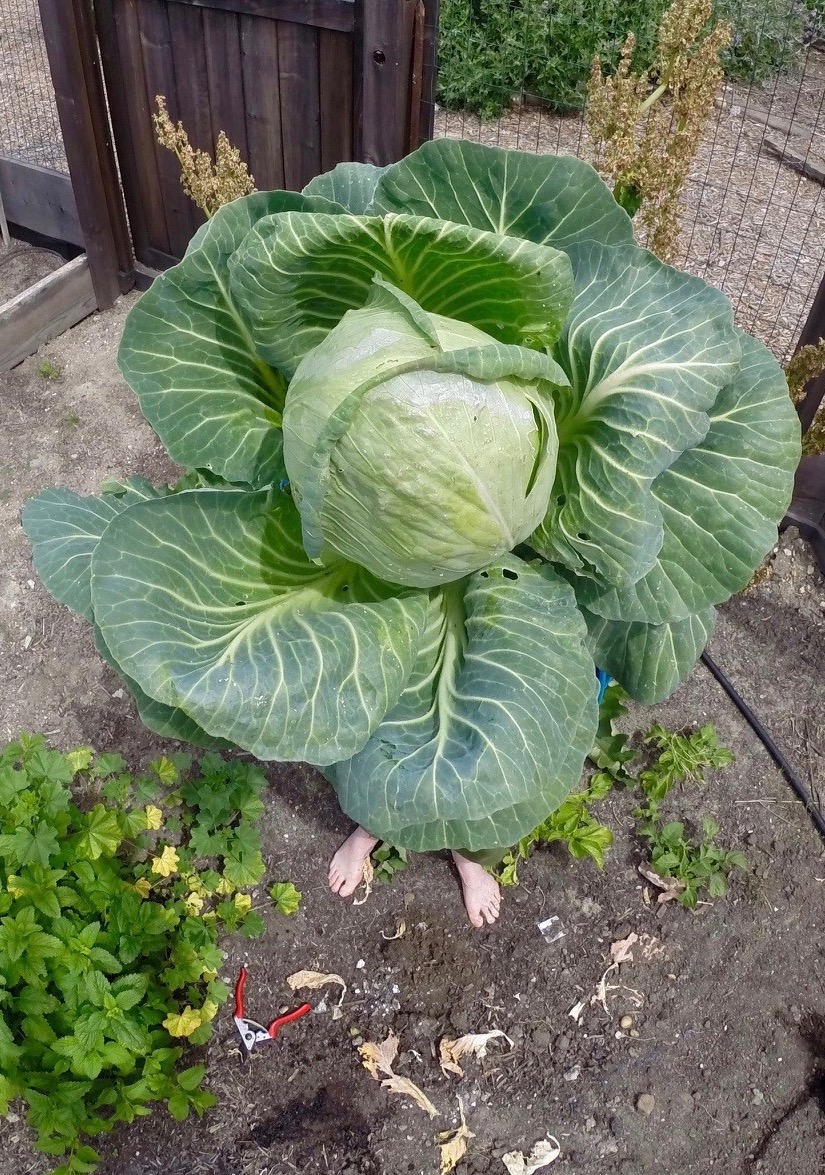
[109,916]
[767,37]
[494,50]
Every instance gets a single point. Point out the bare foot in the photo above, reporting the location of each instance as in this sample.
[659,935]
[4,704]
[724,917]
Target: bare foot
[482,897]
[346,869]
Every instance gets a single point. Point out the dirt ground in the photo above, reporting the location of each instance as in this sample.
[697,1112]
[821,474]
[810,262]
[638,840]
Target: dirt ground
[21,265]
[727,1031]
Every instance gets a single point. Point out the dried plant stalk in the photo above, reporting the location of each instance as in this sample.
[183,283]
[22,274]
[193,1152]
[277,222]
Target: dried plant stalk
[209,185]
[644,141]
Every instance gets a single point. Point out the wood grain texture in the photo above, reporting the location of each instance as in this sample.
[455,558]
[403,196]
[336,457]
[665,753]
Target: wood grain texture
[222,43]
[336,97]
[159,70]
[41,200]
[259,66]
[319,14]
[298,80]
[45,310]
[384,58]
[78,87]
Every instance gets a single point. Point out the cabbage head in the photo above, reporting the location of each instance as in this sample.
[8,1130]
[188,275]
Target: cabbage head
[452,439]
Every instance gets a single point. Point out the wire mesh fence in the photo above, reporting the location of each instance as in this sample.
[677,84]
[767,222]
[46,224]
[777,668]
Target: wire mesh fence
[29,126]
[753,225]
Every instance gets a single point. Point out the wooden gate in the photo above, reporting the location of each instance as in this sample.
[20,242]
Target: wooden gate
[297,85]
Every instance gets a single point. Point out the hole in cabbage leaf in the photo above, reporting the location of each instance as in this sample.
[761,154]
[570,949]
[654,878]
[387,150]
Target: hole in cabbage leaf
[508,574]
[485,574]
[583,537]
[240,603]
[561,500]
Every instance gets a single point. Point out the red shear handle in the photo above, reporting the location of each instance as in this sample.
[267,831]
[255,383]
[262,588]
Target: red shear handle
[239,986]
[287,1018]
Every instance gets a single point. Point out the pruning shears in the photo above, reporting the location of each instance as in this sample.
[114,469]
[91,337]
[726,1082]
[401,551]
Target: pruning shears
[252,1033]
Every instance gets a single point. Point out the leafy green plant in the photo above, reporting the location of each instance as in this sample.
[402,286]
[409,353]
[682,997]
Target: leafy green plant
[108,935]
[504,446]
[768,37]
[612,751]
[694,866]
[286,898]
[387,862]
[681,757]
[573,823]
[492,51]
[49,370]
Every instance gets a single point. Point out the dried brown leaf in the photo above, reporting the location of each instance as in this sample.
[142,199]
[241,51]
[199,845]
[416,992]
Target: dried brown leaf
[473,1044]
[545,1152]
[400,932]
[407,1088]
[453,1144]
[622,950]
[367,875]
[378,1059]
[316,979]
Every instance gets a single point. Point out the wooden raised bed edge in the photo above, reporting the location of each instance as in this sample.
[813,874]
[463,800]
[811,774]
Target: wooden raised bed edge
[45,310]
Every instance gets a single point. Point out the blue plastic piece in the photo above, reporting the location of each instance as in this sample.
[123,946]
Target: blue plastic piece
[604,681]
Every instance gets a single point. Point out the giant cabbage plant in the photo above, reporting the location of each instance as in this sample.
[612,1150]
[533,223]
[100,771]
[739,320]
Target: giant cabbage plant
[458,439]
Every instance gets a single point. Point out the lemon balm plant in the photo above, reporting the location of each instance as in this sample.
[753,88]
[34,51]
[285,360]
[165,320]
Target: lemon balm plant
[455,438]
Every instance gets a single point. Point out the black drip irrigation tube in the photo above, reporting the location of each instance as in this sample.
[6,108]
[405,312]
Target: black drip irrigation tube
[767,741]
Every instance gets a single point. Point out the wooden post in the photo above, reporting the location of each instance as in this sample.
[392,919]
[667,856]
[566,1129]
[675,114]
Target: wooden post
[429,68]
[384,31]
[812,332]
[71,46]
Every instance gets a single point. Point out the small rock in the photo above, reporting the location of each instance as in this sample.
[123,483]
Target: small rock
[562,1044]
[758,1097]
[685,1102]
[609,1148]
[626,1022]
[572,1074]
[645,1103]
[796,1014]
[541,1039]
[590,1124]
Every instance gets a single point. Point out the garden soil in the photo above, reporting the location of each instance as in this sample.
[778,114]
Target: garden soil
[707,1052]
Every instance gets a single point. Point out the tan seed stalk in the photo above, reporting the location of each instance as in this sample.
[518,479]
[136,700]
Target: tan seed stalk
[646,128]
[209,185]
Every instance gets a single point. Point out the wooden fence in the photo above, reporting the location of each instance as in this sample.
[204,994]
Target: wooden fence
[297,85]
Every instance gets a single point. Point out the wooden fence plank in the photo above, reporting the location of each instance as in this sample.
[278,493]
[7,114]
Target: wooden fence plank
[45,310]
[223,65]
[191,75]
[384,37]
[259,66]
[319,14]
[159,68]
[41,200]
[122,55]
[336,98]
[300,97]
[429,68]
[71,48]
[191,87]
